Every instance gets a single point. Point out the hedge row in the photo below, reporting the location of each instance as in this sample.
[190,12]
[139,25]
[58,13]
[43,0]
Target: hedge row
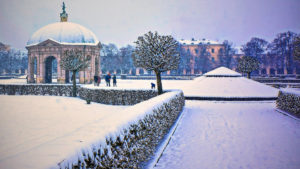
[288,102]
[116,97]
[133,145]
[32,89]
[111,97]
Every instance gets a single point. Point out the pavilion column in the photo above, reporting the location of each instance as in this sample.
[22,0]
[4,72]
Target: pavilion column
[61,73]
[41,70]
[81,77]
[30,73]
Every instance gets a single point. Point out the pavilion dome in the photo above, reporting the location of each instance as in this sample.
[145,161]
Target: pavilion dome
[66,33]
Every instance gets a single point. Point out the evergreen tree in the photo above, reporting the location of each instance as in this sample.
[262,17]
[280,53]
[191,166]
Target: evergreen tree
[157,53]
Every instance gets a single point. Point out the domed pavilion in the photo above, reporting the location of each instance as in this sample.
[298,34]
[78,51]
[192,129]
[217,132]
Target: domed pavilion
[48,45]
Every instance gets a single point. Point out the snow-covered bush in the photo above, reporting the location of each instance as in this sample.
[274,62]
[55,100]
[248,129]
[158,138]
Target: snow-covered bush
[289,100]
[116,97]
[32,89]
[132,144]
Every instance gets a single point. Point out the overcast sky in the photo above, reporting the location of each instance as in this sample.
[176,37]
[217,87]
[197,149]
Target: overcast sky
[122,21]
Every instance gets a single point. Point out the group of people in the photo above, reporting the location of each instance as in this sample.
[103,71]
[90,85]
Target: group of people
[97,80]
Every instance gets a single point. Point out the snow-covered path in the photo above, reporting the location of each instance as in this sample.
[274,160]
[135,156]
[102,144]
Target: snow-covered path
[233,135]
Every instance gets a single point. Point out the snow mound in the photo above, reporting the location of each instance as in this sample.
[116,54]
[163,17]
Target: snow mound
[223,71]
[225,83]
[67,33]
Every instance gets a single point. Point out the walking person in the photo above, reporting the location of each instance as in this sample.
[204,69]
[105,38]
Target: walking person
[99,80]
[95,80]
[114,81]
[107,79]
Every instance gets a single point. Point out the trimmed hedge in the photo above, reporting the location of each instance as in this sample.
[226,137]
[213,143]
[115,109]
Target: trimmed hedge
[288,102]
[136,143]
[32,89]
[104,96]
[116,97]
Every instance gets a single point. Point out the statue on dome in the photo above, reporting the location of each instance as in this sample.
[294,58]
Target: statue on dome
[64,7]
[64,15]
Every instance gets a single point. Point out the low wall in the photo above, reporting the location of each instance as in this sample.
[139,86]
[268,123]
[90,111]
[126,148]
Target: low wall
[289,101]
[133,143]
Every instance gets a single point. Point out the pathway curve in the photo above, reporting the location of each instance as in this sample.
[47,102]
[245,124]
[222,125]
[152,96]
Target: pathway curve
[233,135]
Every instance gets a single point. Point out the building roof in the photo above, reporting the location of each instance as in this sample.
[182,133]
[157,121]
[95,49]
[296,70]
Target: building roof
[66,33]
[198,42]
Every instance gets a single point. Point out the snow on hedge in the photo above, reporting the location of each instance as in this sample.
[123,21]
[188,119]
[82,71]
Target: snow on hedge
[51,131]
[291,91]
[134,138]
[289,100]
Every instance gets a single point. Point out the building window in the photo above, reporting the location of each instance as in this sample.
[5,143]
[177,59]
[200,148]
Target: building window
[196,51]
[212,50]
[213,59]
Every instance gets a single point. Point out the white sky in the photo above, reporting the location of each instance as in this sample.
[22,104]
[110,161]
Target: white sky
[122,21]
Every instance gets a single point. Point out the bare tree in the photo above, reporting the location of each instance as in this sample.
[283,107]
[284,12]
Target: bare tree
[74,60]
[282,47]
[157,53]
[248,64]
[297,48]
[255,48]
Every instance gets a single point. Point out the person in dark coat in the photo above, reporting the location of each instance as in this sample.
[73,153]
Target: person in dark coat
[95,80]
[152,86]
[114,81]
[107,79]
[99,80]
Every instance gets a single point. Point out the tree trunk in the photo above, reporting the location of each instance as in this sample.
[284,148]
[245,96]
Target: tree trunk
[74,83]
[248,75]
[158,82]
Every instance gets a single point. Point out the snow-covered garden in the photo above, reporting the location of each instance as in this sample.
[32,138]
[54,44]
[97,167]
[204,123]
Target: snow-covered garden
[52,131]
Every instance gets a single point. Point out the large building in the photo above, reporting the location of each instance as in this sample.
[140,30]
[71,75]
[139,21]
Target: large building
[48,44]
[205,55]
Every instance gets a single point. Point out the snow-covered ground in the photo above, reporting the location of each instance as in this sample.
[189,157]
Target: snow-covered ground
[248,135]
[40,131]
[201,87]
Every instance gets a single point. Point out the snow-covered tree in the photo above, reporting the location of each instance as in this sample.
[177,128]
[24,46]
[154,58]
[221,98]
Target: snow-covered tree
[255,48]
[297,48]
[125,58]
[74,60]
[158,53]
[225,55]
[282,47]
[248,64]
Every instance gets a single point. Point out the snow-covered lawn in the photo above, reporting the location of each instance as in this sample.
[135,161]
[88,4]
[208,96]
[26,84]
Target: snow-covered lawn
[40,131]
[233,135]
[201,86]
